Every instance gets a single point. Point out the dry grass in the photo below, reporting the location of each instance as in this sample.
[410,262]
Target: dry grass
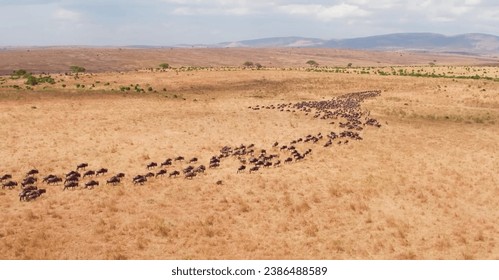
[423,186]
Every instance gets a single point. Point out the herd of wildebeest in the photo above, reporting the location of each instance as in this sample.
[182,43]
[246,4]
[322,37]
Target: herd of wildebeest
[345,110]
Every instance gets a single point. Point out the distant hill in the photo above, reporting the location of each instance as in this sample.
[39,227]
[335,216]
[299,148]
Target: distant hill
[473,43]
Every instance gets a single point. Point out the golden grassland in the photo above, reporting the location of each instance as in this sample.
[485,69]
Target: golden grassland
[423,186]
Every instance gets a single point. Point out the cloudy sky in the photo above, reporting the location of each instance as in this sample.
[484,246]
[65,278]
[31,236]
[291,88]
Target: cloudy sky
[170,22]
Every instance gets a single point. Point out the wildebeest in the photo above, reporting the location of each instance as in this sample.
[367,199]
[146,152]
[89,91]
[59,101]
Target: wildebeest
[29,181]
[149,174]
[34,194]
[88,173]
[91,184]
[9,185]
[253,169]
[166,162]
[82,166]
[24,193]
[32,172]
[193,160]
[71,185]
[5,177]
[288,160]
[113,180]
[54,180]
[139,179]
[174,174]
[190,175]
[151,165]
[241,168]
[179,158]
[101,171]
[71,173]
[200,169]
[120,175]
[46,178]
[188,169]
[73,178]
[162,172]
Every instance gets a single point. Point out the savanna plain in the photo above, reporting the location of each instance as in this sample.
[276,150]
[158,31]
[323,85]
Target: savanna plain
[422,184]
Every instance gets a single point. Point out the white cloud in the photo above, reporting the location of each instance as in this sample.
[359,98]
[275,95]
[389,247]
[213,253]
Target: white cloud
[472,2]
[66,15]
[190,11]
[325,13]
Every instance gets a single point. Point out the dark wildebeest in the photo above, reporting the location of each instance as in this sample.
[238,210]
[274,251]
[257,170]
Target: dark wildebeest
[88,173]
[32,172]
[188,169]
[120,175]
[166,162]
[190,175]
[139,179]
[200,169]
[24,193]
[91,184]
[5,177]
[101,171]
[73,178]
[54,180]
[114,180]
[46,178]
[71,185]
[35,194]
[162,172]
[174,174]
[214,165]
[253,169]
[151,165]
[82,166]
[179,158]
[193,160]
[71,173]
[241,168]
[29,181]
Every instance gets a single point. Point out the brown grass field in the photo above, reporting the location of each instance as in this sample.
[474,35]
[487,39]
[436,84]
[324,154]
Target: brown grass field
[425,185]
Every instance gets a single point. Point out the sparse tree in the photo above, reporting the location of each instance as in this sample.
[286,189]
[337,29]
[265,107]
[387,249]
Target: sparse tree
[164,65]
[248,64]
[312,63]
[350,64]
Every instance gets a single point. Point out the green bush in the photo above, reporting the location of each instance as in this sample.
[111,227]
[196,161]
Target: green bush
[77,69]
[32,81]
[164,65]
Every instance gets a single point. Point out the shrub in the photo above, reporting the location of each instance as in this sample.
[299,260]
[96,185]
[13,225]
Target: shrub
[32,81]
[248,64]
[20,72]
[77,69]
[164,65]
[312,63]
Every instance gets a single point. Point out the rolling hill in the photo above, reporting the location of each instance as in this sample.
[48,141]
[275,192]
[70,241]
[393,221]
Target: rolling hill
[474,43]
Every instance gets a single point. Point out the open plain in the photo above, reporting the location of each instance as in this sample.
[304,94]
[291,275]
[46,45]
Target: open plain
[424,184]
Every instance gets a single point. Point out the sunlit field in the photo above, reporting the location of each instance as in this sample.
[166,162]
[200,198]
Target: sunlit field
[419,182]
